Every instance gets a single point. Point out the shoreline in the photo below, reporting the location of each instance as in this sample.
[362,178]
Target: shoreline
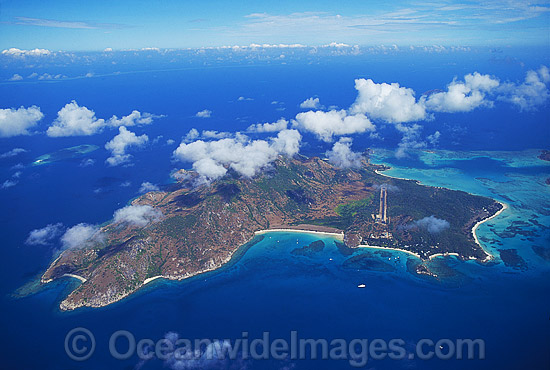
[76,277]
[339,236]
[148,280]
[210,269]
[303,229]
[381,173]
[387,248]
[443,255]
[490,256]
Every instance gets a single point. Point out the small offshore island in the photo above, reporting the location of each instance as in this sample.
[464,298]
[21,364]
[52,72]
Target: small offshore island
[201,227]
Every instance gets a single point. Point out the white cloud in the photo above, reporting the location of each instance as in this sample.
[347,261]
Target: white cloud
[45,235]
[432,224]
[327,124]
[12,153]
[170,141]
[463,96]
[20,53]
[87,162]
[387,102]
[531,93]
[118,145]
[147,187]
[287,142]
[192,135]
[212,134]
[9,183]
[74,120]
[204,113]
[342,156]
[213,355]
[107,50]
[242,155]
[434,138]
[15,122]
[133,119]
[280,125]
[311,103]
[411,139]
[16,77]
[80,235]
[137,215]
[242,98]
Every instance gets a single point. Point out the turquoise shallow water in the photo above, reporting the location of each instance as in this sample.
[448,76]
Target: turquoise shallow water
[514,178]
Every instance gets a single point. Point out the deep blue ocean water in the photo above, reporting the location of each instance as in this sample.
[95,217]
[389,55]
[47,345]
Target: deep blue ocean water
[268,288]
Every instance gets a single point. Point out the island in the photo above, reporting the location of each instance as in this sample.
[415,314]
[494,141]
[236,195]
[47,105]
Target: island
[65,153]
[200,227]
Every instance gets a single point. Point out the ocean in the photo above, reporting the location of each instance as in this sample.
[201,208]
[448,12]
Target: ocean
[267,288]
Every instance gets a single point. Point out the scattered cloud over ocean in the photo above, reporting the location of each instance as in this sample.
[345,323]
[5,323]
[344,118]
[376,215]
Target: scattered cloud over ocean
[277,126]
[75,120]
[531,93]
[9,183]
[12,153]
[120,143]
[194,134]
[14,122]
[387,102]
[204,113]
[15,52]
[311,103]
[87,162]
[215,354]
[15,77]
[44,235]
[212,158]
[398,105]
[135,118]
[463,96]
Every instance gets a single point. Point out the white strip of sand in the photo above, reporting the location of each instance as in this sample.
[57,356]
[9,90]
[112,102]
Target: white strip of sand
[489,255]
[76,277]
[339,236]
[387,248]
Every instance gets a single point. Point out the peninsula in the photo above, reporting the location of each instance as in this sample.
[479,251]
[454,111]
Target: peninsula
[199,228]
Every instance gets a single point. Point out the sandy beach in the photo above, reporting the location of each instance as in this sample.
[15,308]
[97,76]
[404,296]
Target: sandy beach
[76,277]
[381,173]
[148,280]
[386,248]
[474,228]
[443,255]
[339,236]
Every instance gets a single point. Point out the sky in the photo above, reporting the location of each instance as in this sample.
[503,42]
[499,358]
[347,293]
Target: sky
[95,25]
